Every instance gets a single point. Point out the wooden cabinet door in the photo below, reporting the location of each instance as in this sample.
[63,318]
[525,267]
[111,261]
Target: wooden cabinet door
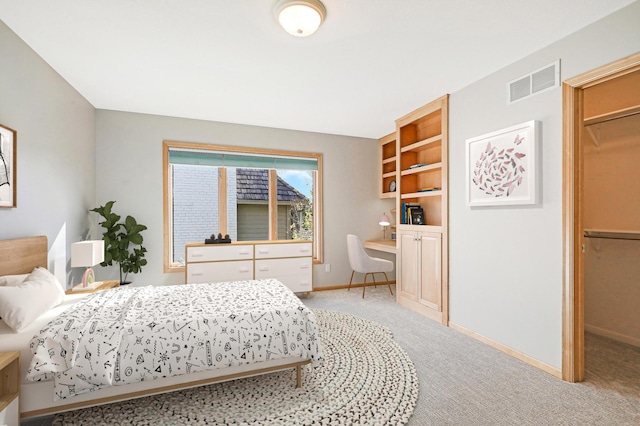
[430,293]
[408,266]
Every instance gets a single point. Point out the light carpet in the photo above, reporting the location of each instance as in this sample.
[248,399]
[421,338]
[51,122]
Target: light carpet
[365,378]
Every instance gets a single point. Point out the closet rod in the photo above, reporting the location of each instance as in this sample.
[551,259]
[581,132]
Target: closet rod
[612,235]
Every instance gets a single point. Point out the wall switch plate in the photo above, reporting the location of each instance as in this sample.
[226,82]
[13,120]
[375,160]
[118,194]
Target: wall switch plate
[327,267]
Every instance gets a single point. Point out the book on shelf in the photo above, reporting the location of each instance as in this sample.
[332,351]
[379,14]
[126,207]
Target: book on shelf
[406,212]
[417,216]
[429,189]
[415,166]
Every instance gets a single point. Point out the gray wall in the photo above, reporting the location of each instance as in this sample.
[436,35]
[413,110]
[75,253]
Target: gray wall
[129,167]
[506,262]
[56,152]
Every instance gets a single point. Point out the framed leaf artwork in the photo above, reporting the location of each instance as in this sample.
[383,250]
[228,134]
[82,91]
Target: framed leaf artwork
[501,166]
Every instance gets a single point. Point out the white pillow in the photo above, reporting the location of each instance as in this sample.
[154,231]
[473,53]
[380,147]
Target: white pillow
[12,279]
[20,305]
[41,273]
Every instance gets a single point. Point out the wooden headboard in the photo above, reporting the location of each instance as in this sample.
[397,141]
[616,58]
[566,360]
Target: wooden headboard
[21,255]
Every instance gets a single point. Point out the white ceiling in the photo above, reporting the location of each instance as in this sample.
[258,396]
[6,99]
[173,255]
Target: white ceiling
[370,62]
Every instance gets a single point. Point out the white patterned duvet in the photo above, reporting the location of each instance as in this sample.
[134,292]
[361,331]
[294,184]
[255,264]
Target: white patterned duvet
[132,334]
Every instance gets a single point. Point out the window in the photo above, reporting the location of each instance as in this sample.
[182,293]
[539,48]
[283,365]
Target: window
[250,194]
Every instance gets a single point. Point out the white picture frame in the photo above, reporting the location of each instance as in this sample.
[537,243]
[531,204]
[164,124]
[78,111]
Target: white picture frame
[501,166]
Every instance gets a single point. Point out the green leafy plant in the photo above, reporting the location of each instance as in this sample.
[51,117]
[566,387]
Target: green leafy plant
[122,241]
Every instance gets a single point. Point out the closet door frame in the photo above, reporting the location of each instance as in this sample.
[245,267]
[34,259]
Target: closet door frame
[572,210]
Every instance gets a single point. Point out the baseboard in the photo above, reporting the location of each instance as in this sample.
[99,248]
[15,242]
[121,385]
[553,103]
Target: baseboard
[354,285]
[509,351]
[612,335]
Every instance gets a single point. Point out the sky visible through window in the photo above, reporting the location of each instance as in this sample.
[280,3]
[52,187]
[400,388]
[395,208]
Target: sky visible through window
[299,179]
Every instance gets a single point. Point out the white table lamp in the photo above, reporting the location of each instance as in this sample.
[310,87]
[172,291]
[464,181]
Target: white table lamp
[384,222]
[87,254]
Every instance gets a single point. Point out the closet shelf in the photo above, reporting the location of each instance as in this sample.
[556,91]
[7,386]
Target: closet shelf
[612,234]
[613,115]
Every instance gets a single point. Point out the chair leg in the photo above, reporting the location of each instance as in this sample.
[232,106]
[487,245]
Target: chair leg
[364,285]
[352,272]
[388,283]
[375,284]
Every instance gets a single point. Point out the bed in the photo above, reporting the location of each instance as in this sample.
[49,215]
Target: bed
[48,396]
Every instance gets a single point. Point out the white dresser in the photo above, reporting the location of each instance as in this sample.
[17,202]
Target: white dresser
[288,261]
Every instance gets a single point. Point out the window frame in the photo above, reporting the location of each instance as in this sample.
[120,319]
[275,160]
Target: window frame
[318,247]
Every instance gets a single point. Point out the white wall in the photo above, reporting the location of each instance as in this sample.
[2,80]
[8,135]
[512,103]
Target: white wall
[56,152]
[506,262]
[129,170]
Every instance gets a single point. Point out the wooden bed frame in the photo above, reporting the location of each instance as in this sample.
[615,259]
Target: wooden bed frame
[21,256]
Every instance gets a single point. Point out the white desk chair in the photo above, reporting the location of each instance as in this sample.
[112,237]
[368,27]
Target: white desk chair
[361,262]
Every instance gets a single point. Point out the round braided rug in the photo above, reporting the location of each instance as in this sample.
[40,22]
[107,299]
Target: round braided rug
[365,378]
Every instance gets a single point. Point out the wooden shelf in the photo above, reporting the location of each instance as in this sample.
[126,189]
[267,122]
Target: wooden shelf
[428,228]
[613,115]
[434,193]
[434,166]
[423,144]
[388,162]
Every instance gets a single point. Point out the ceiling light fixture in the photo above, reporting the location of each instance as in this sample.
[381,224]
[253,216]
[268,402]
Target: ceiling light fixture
[300,18]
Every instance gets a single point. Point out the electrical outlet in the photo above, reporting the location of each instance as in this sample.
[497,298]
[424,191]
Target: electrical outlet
[327,267]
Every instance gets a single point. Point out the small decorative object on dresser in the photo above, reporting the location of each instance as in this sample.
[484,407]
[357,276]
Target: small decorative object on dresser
[219,240]
[8,142]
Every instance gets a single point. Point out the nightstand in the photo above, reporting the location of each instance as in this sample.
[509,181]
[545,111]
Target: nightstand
[105,285]
[9,388]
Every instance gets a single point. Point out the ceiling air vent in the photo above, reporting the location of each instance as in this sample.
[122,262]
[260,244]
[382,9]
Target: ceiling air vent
[538,81]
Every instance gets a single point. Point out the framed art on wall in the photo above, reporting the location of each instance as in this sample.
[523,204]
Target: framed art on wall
[8,146]
[501,166]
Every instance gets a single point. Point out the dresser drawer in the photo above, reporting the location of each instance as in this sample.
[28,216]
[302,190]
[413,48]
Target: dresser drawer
[264,251]
[297,283]
[216,252]
[275,268]
[219,271]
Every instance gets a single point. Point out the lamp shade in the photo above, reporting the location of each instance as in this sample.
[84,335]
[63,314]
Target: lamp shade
[384,220]
[300,18]
[87,253]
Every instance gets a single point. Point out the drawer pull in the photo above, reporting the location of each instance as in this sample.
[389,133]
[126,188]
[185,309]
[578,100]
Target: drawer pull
[304,250]
[243,252]
[304,267]
[196,254]
[244,270]
[264,268]
[263,251]
[197,274]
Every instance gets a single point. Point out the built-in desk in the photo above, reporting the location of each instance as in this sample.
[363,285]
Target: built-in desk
[388,246]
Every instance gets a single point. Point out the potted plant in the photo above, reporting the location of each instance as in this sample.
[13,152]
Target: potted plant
[122,242]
